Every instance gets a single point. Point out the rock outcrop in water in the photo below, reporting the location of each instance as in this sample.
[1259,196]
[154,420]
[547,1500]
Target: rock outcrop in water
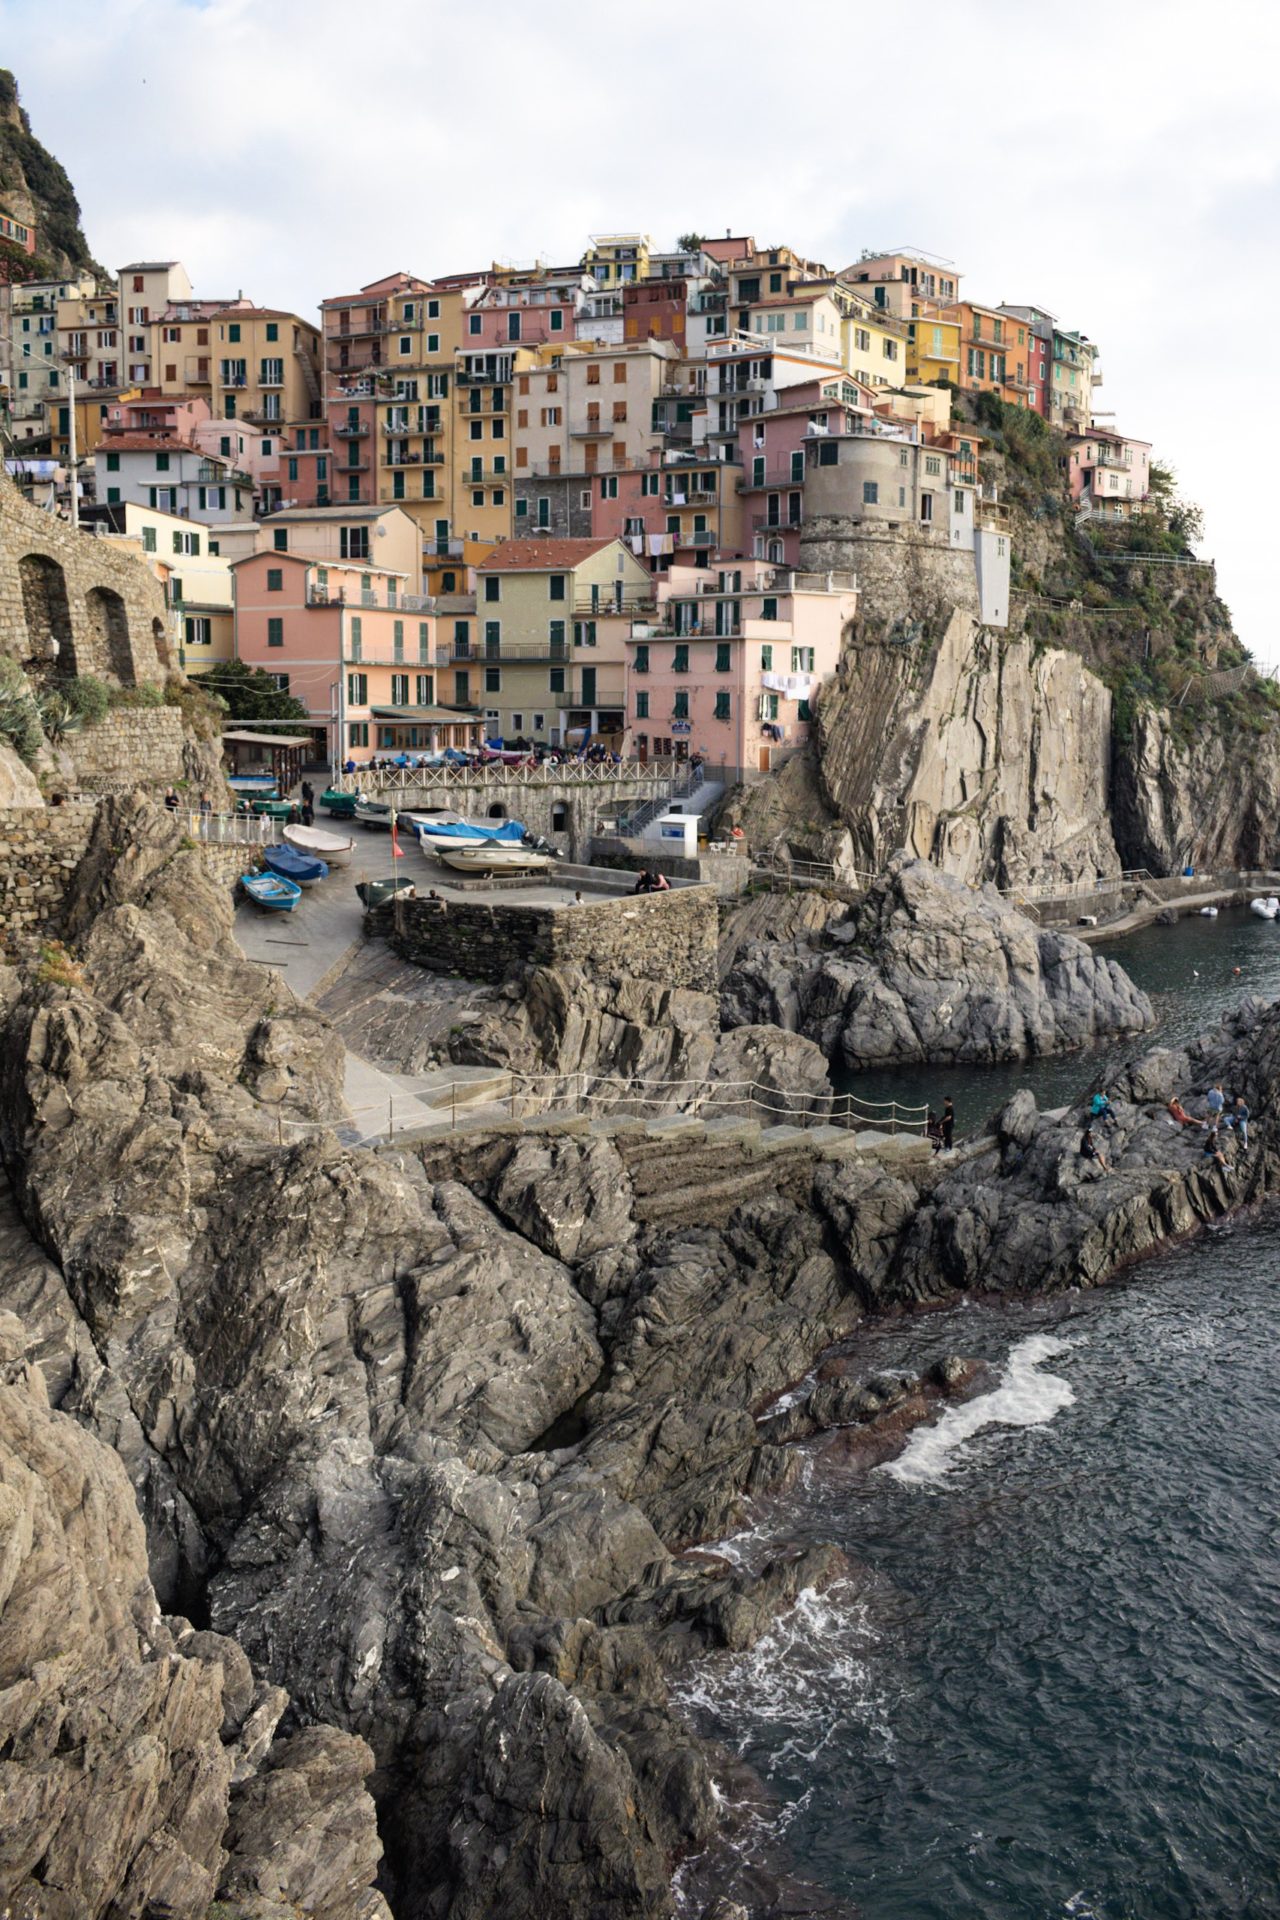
[427,1435]
[927,968]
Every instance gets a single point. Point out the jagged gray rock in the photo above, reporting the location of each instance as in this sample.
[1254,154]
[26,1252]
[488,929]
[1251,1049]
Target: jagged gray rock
[929,968]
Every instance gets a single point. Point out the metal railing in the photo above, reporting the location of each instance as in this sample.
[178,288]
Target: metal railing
[606,1095]
[499,775]
[230,829]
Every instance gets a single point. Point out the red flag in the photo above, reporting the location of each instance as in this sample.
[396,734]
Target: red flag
[397,851]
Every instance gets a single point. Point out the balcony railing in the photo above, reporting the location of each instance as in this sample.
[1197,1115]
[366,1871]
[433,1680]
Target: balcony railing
[761,523]
[483,476]
[354,363]
[771,478]
[428,457]
[351,429]
[439,548]
[596,429]
[499,402]
[608,602]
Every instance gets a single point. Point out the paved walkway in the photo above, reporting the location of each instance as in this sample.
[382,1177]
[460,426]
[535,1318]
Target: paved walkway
[312,947]
[1184,903]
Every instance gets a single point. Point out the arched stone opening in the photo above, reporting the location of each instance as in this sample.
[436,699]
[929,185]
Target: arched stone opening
[109,628]
[559,817]
[497,812]
[48,615]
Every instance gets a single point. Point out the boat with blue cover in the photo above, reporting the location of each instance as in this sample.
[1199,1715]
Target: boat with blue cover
[271,890]
[304,869]
[436,835]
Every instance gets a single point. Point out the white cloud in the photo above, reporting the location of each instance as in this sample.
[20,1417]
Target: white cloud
[1118,165]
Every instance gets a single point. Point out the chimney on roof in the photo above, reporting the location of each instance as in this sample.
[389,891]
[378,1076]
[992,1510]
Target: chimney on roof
[728,233]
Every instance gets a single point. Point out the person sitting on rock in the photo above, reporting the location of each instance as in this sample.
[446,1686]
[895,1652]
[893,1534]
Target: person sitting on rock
[1179,1113]
[1101,1110]
[1238,1117]
[645,883]
[1090,1150]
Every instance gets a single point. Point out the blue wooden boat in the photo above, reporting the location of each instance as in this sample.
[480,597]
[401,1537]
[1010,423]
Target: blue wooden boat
[289,864]
[269,890]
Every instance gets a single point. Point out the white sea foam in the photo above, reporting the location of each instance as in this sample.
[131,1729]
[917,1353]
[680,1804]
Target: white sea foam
[1025,1397]
[804,1681]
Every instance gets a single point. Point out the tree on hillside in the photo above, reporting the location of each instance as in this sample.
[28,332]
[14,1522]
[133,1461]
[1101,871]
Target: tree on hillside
[248,693]
[689,242]
[1182,517]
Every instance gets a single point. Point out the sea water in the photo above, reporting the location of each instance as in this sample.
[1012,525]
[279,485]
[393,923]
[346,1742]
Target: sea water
[1051,1684]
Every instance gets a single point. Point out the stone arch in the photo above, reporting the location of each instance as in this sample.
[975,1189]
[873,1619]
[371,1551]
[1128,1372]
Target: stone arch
[497,811]
[47,611]
[559,817]
[109,629]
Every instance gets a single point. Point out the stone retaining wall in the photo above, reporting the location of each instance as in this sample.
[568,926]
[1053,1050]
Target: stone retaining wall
[40,849]
[129,747]
[729,873]
[671,937]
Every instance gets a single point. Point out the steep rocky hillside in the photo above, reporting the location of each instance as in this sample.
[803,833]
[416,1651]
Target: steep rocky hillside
[34,187]
[1094,733]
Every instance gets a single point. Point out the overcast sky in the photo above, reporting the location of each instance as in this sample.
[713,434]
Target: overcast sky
[1114,163]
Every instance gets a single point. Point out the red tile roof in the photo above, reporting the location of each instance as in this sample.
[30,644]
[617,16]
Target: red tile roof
[533,556]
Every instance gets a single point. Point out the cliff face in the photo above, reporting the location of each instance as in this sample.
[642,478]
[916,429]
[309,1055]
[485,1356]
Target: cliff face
[36,188]
[1117,721]
[983,755]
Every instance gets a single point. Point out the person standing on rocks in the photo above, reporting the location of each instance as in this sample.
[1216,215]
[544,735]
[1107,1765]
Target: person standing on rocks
[1215,1102]
[1239,1119]
[948,1122]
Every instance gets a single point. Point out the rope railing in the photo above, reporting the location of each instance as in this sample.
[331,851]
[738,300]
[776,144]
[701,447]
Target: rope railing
[605,1096]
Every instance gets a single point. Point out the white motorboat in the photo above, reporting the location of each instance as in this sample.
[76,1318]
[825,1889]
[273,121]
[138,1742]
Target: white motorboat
[450,830]
[335,849]
[373,813]
[494,856]
[1267,908]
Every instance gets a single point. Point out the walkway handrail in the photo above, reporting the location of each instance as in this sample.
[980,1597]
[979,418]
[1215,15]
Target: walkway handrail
[230,829]
[500,775]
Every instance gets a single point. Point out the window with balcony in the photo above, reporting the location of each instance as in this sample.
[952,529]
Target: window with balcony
[271,373]
[275,632]
[492,637]
[555,636]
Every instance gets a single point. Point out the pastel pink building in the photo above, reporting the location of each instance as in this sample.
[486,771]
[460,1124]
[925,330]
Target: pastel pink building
[774,449]
[357,650]
[1108,473]
[731,665]
[541,313]
[678,513]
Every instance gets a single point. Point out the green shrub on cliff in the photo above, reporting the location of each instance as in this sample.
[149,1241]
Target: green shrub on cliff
[19,714]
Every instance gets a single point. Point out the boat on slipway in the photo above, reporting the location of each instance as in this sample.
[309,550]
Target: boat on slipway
[449,831]
[1266,908]
[272,891]
[335,848]
[289,863]
[493,856]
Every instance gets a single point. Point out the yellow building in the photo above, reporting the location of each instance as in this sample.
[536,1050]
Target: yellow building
[482,466]
[264,367]
[617,259]
[874,346]
[551,623]
[933,350]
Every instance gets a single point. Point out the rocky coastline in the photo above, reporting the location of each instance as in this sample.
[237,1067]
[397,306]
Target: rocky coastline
[385,1467]
[927,968]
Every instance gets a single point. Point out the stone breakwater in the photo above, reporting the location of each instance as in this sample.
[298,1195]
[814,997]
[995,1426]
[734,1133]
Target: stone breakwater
[928,968]
[426,1437]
